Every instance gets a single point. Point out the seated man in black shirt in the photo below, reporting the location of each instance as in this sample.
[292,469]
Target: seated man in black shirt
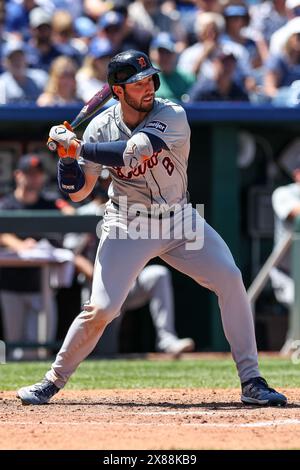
[222,86]
[21,287]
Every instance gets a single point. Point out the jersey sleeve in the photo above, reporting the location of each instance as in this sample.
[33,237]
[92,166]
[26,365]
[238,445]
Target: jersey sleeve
[170,124]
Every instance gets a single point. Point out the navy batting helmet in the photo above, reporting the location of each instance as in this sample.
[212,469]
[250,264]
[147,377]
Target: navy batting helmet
[130,67]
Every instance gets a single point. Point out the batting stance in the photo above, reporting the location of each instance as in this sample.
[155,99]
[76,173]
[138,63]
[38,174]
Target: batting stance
[145,142]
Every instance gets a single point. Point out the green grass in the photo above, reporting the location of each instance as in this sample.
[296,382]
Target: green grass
[192,373]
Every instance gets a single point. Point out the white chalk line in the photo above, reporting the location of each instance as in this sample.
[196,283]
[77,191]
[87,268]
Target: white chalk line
[121,412]
[256,424]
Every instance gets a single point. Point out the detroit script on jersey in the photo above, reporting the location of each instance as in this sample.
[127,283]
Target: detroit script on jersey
[162,178]
[146,165]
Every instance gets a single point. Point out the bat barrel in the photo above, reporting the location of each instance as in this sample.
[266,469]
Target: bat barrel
[93,105]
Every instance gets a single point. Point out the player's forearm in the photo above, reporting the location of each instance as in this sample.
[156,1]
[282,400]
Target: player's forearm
[70,177]
[73,181]
[123,153]
[294,213]
[104,153]
[85,191]
[271,84]
[9,240]
[82,192]
[80,195]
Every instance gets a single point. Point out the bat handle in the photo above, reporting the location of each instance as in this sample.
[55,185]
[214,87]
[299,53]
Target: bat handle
[52,145]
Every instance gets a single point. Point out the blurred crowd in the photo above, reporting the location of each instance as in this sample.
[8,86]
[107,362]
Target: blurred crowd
[55,52]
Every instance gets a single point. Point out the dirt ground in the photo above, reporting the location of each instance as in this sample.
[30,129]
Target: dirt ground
[148,419]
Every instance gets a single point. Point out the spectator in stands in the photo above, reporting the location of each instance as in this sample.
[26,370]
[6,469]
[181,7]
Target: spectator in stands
[63,35]
[111,26]
[174,82]
[93,74]
[148,15]
[84,29]
[19,84]
[278,38]
[209,27]
[73,6]
[222,86]
[21,287]
[118,28]
[198,59]
[236,22]
[17,18]
[284,68]
[208,6]
[94,9]
[286,206]
[267,17]
[134,36]
[3,34]
[61,89]
[188,15]
[293,7]
[41,49]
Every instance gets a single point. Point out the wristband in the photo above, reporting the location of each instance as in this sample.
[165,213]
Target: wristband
[70,177]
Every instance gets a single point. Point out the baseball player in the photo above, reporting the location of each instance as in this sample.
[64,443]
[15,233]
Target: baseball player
[145,142]
[286,206]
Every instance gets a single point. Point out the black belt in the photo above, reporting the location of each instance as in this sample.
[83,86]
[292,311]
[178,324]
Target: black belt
[149,214]
[159,217]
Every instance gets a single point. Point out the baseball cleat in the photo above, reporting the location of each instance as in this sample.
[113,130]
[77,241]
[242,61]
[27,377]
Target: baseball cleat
[37,394]
[257,392]
[179,346]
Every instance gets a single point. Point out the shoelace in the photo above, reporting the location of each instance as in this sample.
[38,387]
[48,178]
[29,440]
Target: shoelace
[260,382]
[43,388]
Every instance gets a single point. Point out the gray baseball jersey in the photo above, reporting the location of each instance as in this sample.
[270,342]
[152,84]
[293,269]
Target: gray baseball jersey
[162,179]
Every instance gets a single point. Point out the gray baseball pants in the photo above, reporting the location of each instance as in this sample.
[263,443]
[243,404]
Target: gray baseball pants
[154,286]
[119,262]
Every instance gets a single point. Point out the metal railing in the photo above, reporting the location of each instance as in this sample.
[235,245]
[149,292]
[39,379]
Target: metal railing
[291,240]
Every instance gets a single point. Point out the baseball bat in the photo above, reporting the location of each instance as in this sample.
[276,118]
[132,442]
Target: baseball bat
[91,107]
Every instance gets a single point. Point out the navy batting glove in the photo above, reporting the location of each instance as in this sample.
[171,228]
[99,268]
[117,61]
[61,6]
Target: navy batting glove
[70,176]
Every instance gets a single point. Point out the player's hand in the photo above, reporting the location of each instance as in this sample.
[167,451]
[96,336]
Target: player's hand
[26,244]
[67,143]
